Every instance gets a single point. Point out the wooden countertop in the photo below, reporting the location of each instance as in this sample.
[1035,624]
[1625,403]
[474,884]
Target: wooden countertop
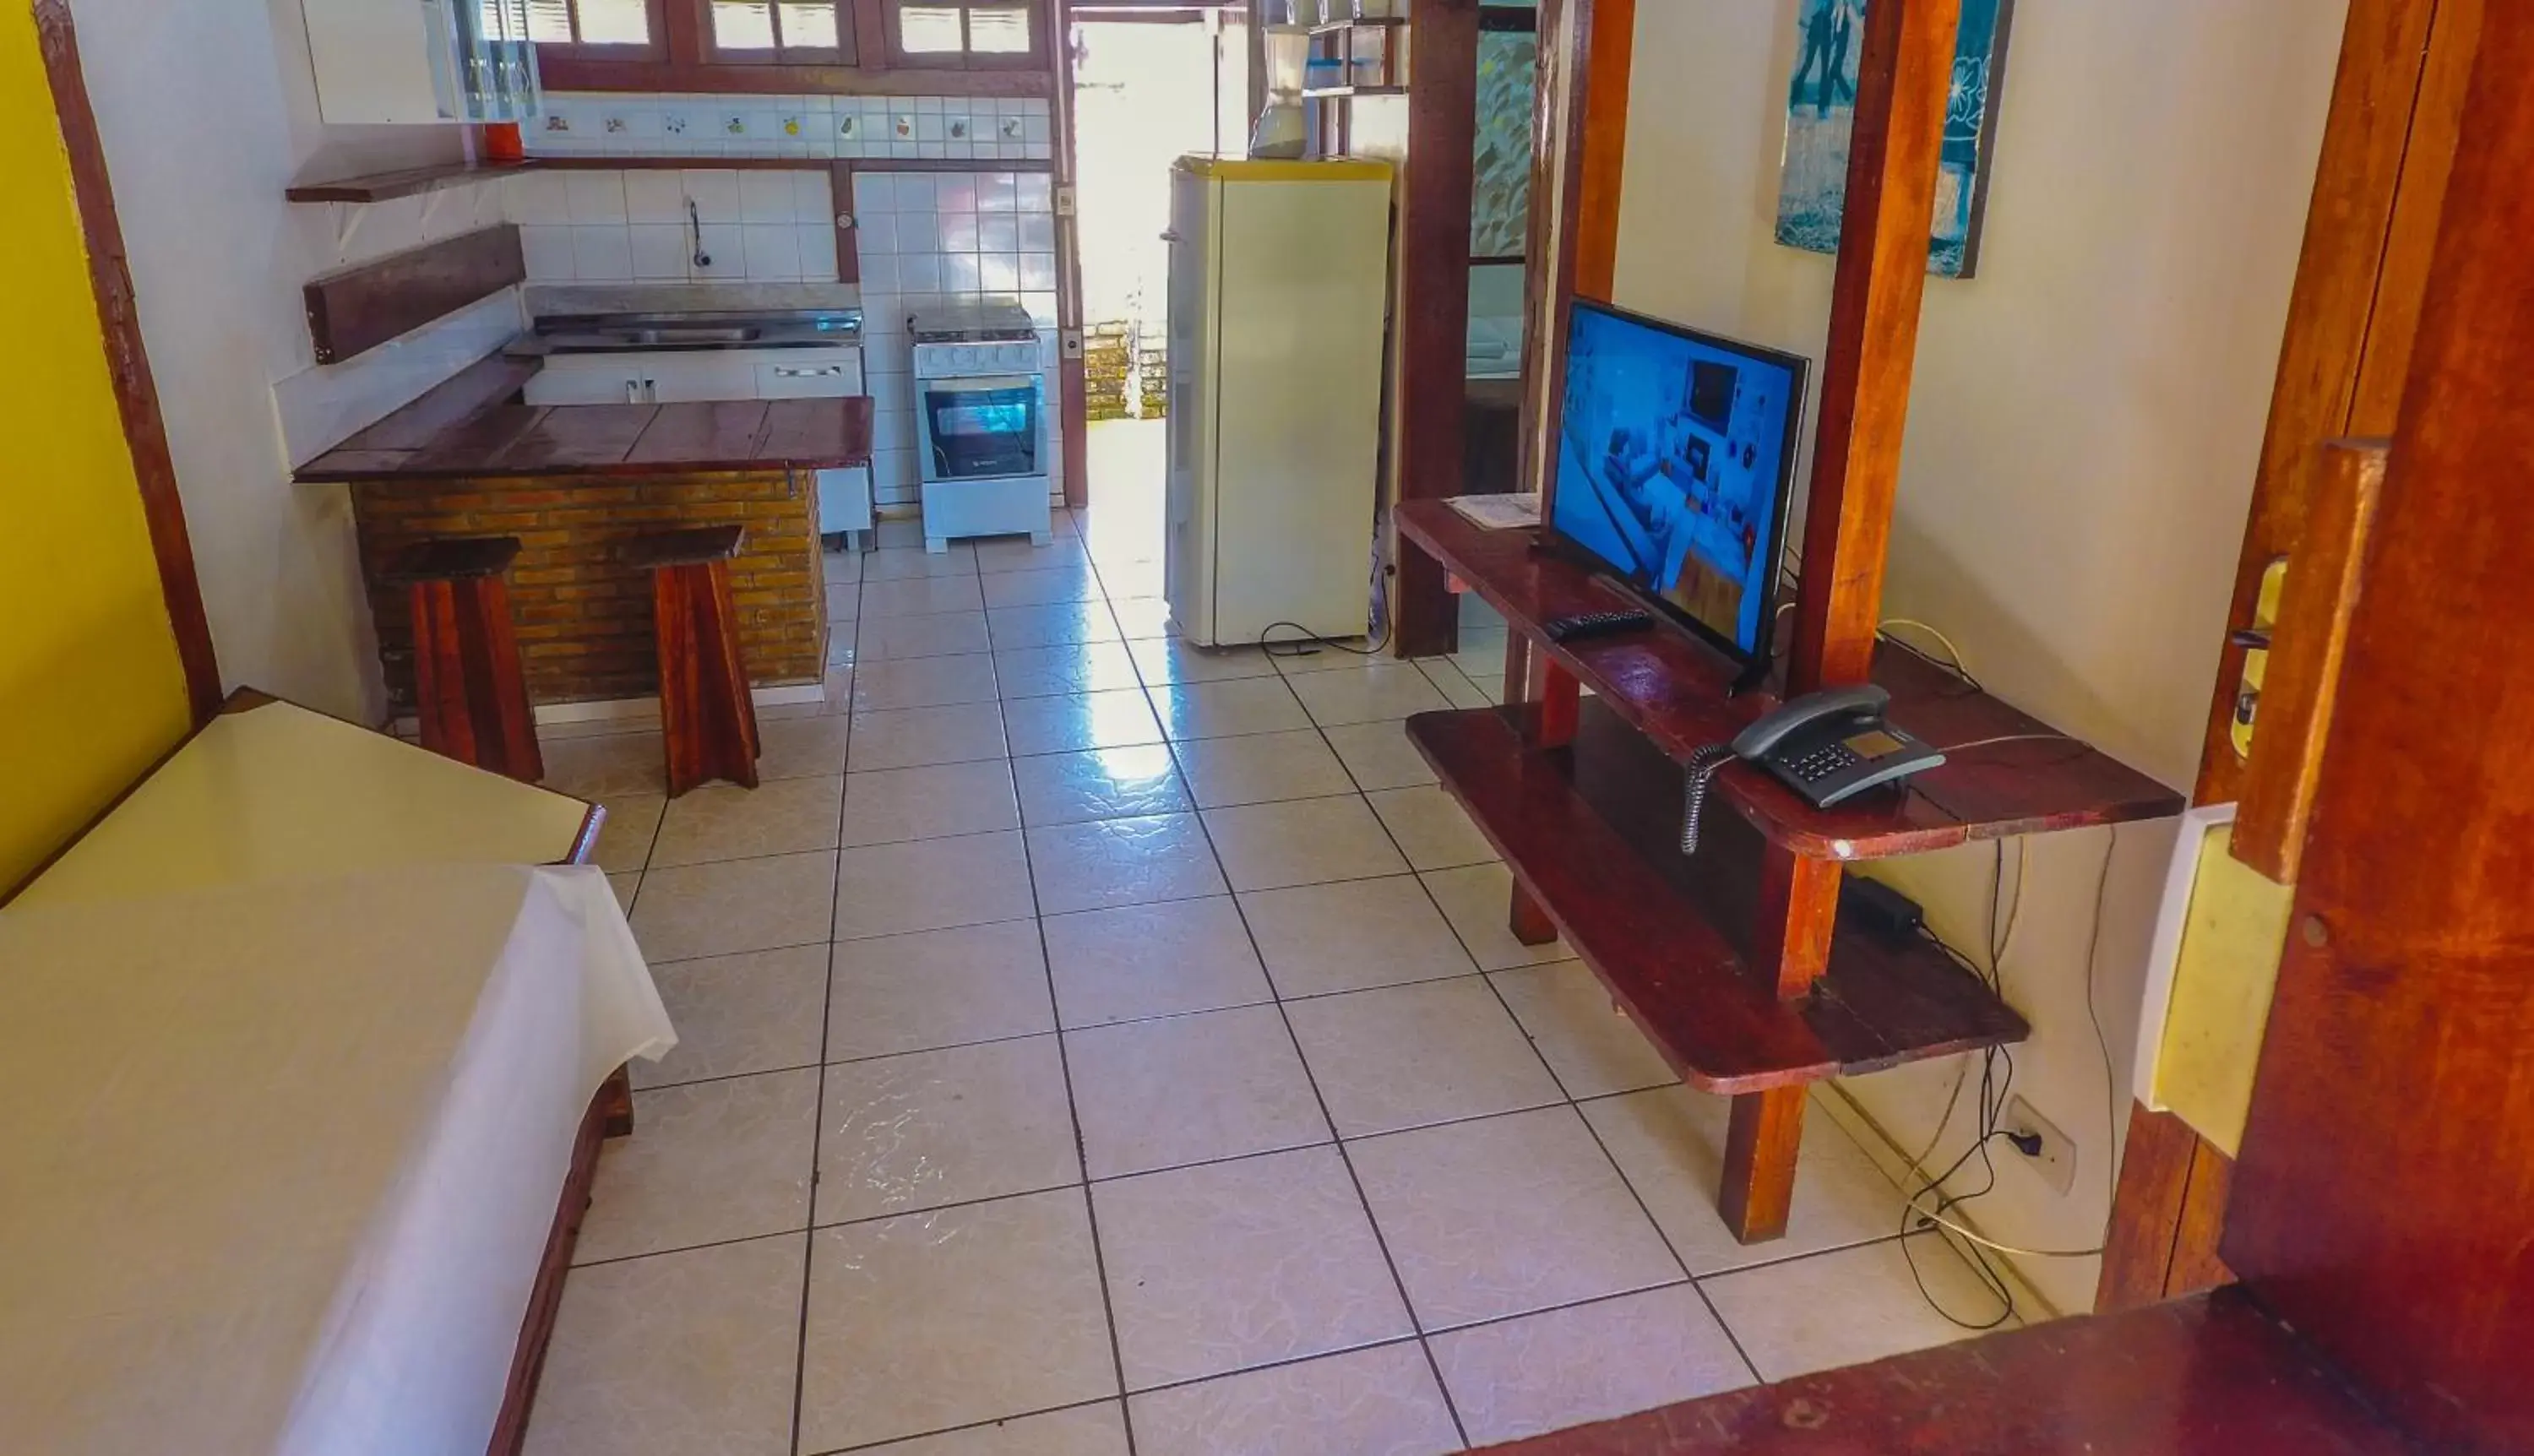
[467,430]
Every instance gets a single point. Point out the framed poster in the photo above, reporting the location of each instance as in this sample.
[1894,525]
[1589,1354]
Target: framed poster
[1821,112]
[1508,77]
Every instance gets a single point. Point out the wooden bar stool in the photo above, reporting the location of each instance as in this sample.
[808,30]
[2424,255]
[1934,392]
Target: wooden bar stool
[468,686]
[707,718]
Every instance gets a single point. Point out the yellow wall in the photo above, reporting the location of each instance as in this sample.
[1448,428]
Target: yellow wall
[90,690]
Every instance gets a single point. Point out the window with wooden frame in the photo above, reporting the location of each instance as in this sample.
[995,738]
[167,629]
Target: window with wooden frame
[779,33]
[596,29]
[971,34]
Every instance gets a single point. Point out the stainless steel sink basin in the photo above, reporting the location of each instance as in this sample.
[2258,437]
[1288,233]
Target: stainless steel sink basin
[687,334]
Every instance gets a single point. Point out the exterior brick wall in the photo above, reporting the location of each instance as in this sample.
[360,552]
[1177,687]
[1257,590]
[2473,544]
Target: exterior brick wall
[584,617]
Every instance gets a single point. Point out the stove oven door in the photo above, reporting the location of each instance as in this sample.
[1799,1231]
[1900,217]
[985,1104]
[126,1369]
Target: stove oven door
[982,429]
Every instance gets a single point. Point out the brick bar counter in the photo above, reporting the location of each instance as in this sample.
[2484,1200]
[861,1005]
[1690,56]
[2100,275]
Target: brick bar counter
[573,483]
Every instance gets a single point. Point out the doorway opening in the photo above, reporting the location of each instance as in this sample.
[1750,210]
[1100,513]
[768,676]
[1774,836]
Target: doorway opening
[1151,84]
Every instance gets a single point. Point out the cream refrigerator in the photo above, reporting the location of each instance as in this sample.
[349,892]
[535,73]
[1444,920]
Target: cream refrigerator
[1280,279]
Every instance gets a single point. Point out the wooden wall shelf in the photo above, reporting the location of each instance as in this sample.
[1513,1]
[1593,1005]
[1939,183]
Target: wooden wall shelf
[1674,688]
[1592,831]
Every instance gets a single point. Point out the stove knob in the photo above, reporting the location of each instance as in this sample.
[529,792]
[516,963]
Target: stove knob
[966,358]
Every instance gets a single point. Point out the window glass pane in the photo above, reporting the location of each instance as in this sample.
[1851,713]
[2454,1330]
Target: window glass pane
[615,23]
[743,25]
[812,24]
[994,30]
[548,20]
[929,28]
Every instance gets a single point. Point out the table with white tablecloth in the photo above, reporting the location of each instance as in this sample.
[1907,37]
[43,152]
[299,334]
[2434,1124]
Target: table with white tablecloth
[279,1158]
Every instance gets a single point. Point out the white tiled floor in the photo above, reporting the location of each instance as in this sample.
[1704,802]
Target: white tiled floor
[1089,1041]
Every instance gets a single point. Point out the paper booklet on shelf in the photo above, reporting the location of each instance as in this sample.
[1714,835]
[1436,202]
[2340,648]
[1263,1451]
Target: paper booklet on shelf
[1499,512]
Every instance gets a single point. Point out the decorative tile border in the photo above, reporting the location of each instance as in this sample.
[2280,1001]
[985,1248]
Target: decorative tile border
[646,124]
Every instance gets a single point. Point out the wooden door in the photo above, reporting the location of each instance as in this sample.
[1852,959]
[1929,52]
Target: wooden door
[2379,189]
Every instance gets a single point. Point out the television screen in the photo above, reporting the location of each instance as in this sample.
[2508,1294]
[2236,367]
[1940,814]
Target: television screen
[1675,459]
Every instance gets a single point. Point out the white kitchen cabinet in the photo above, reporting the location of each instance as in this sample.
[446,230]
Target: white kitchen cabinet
[422,61]
[687,377]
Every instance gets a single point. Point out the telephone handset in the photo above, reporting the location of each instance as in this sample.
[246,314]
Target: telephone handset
[1828,747]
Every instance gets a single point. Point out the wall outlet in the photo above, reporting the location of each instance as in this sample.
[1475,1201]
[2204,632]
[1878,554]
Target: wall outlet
[2057,1160]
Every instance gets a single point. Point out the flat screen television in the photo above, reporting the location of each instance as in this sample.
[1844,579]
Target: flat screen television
[1676,465]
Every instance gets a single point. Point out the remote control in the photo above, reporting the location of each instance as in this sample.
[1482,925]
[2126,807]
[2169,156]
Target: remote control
[1597,624]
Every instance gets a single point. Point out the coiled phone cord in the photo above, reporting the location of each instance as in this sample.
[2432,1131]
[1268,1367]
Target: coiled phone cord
[1698,774]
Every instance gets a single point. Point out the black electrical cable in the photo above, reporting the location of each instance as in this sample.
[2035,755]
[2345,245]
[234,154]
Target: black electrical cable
[1309,644]
[1994,1094]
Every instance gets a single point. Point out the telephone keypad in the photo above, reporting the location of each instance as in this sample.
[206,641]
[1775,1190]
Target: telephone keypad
[1825,763]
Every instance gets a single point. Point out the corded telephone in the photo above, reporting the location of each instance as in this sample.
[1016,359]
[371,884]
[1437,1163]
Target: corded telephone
[1828,747]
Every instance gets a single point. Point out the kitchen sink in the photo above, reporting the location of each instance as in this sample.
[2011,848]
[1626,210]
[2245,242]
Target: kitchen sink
[687,334]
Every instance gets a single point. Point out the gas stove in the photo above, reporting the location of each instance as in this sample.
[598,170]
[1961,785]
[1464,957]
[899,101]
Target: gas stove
[975,339]
[980,421]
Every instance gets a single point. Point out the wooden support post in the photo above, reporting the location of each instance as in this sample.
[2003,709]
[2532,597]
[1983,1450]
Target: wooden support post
[1437,183]
[1903,81]
[1760,1148]
[1798,907]
[1560,699]
[1901,85]
[1517,669]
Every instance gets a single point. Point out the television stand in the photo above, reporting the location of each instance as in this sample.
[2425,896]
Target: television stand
[1714,957]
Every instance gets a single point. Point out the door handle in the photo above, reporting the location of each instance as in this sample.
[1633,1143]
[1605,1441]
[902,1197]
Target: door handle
[1170,234]
[830,372]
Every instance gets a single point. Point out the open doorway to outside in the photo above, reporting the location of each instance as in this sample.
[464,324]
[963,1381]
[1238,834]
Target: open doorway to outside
[1151,83]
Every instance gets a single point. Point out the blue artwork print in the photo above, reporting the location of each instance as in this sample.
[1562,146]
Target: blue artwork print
[1821,112]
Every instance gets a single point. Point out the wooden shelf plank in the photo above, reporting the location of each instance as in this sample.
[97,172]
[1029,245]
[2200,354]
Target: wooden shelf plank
[379,187]
[1592,831]
[1678,691]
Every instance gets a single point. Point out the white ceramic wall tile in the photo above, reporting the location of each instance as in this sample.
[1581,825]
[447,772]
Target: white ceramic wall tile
[655,197]
[584,124]
[594,196]
[619,227]
[765,197]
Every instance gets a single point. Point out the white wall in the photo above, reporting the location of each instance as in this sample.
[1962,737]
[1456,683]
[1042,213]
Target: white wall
[209,110]
[2087,415]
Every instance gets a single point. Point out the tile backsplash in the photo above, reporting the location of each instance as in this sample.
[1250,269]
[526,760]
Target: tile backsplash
[931,128]
[634,226]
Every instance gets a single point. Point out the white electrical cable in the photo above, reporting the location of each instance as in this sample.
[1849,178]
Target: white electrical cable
[1962,666]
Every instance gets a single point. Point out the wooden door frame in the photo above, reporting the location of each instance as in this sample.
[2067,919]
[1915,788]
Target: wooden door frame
[1436,184]
[1075,385]
[1579,161]
[1074,392]
[2389,148]
[127,359]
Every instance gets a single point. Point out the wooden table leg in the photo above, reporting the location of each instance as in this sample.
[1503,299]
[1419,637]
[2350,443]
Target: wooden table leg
[1518,687]
[1797,910]
[1560,698]
[616,1102]
[1760,1148]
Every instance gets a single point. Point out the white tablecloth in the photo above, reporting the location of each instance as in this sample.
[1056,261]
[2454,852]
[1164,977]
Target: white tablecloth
[278,1162]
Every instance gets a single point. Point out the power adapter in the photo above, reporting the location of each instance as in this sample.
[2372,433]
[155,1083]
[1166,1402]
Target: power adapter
[1887,913]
